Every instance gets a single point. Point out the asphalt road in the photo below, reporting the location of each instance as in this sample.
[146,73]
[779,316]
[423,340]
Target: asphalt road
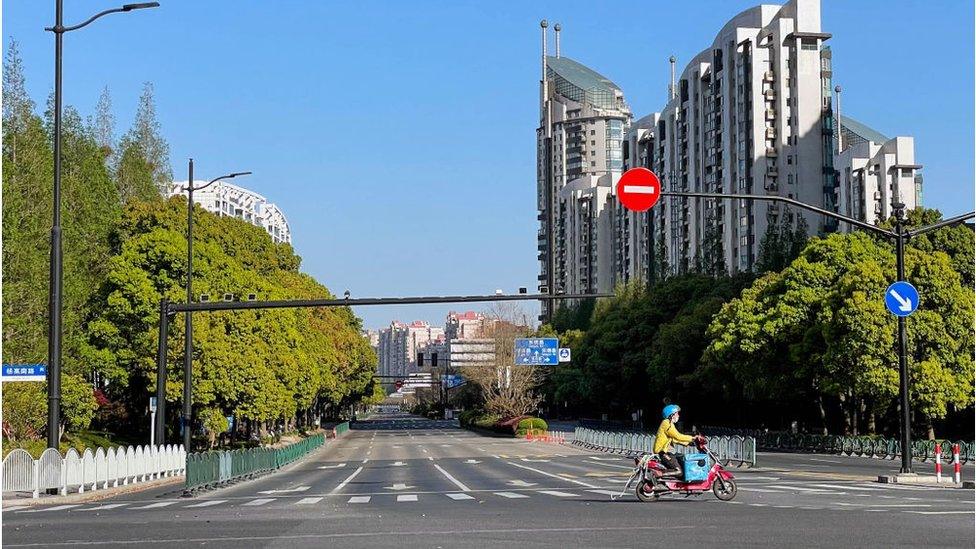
[408,482]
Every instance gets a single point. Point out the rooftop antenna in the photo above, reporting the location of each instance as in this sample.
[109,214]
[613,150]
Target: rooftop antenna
[840,134]
[671,86]
[557,28]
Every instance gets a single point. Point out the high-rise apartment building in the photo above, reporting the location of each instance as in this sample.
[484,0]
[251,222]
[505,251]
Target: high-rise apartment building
[400,343]
[222,198]
[582,120]
[754,114]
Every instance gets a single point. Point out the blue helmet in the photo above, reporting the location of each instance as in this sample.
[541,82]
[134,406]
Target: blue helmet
[670,410]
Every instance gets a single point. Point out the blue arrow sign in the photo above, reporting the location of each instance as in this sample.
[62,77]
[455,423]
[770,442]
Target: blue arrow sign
[537,351]
[901,298]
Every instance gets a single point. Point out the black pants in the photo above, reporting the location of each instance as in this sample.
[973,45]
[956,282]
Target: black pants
[672,461]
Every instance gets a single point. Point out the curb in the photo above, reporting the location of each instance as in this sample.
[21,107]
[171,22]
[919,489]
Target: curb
[928,481]
[97,495]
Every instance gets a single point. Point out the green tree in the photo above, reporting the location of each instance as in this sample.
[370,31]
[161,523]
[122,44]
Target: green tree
[142,169]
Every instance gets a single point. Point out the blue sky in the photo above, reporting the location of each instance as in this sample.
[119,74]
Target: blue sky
[399,137]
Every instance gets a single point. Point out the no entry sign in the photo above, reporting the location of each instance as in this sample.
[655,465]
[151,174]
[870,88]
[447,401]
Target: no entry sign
[638,189]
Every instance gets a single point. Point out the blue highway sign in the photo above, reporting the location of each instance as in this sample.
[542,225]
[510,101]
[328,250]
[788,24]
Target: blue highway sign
[901,298]
[537,351]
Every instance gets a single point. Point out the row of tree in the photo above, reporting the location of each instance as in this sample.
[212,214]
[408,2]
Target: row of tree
[124,251]
[809,340]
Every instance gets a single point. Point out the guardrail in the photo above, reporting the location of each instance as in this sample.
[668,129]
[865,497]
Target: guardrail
[729,449]
[210,469]
[877,447]
[340,429]
[90,470]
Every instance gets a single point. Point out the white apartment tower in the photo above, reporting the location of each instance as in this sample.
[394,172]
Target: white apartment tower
[582,120]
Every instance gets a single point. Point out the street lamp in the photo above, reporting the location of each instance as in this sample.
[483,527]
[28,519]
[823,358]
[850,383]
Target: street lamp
[188,350]
[54,296]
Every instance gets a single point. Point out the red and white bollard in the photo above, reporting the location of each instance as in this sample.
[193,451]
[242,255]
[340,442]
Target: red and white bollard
[955,464]
[938,462]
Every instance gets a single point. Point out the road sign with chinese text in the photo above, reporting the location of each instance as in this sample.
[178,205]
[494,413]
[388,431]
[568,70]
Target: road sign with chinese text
[537,351]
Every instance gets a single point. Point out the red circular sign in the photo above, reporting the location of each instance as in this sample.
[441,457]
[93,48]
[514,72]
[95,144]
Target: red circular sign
[638,189]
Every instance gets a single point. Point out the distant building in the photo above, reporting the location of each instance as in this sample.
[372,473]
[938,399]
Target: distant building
[399,344]
[222,198]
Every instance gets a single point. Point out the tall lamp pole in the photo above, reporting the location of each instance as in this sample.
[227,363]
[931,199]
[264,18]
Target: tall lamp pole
[54,295]
[188,350]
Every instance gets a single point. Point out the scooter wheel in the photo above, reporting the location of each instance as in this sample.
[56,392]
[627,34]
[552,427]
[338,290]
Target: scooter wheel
[724,489]
[647,495]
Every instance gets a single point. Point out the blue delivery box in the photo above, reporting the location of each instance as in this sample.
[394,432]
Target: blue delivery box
[697,467]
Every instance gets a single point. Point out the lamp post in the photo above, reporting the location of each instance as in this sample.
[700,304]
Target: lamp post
[188,350]
[54,295]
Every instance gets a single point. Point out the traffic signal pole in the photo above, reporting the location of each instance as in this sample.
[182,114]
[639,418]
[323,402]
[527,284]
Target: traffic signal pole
[900,236]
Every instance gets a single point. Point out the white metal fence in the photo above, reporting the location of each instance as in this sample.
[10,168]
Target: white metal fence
[90,471]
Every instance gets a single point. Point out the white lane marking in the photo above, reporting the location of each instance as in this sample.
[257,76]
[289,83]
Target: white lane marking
[608,492]
[510,495]
[398,464]
[521,483]
[843,487]
[207,503]
[259,501]
[458,496]
[365,460]
[286,491]
[155,505]
[447,475]
[345,482]
[406,497]
[748,489]
[826,460]
[942,512]
[581,483]
[601,458]
[55,508]
[747,478]
[100,507]
[884,504]
[639,189]
[359,499]
[539,460]
[615,466]
[339,466]
[557,493]
[472,461]
[802,489]
[398,486]
[308,501]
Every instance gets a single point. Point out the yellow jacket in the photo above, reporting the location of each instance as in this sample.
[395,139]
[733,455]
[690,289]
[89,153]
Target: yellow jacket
[666,434]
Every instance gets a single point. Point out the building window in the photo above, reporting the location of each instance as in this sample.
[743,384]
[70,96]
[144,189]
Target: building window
[592,132]
[808,44]
[593,164]
[789,159]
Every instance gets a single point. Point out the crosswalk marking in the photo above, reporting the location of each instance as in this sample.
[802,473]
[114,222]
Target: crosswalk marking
[55,508]
[359,499]
[207,503]
[842,487]
[259,501]
[510,495]
[308,501]
[155,505]
[406,497]
[102,507]
[557,493]
[457,497]
[607,492]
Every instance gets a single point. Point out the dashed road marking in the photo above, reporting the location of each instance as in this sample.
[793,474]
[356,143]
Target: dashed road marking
[359,499]
[406,497]
[510,495]
[448,476]
[534,470]
[257,502]
[345,482]
[308,501]
[210,503]
[557,493]
[55,508]
[155,505]
[102,507]
[458,497]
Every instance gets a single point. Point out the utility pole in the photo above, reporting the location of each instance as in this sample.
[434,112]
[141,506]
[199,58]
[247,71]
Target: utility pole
[56,274]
